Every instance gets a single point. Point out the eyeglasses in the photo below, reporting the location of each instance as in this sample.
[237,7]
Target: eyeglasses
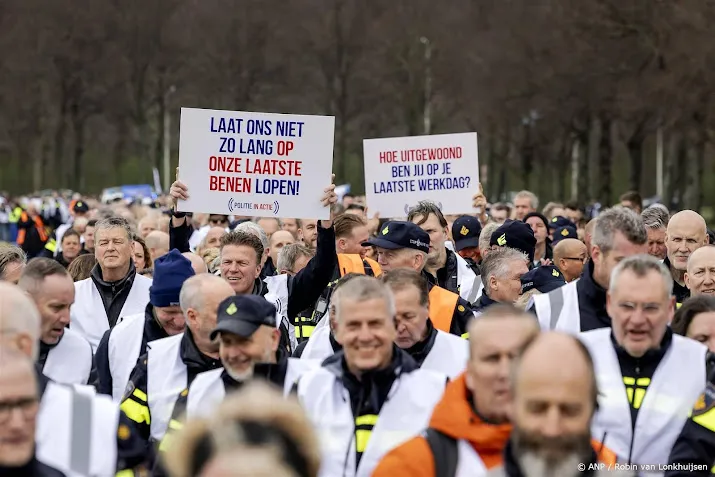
[579,259]
[26,406]
[218,221]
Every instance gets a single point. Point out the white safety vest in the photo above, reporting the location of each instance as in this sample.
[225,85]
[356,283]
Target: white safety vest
[469,464]
[70,362]
[207,390]
[470,285]
[675,387]
[448,355]
[123,351]
[558,310]
[88,316]
[404,414]
[318,346]
[166,378]
[278,295]
[76,431]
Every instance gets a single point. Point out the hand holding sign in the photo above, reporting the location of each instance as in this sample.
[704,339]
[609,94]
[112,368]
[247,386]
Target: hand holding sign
[329,199]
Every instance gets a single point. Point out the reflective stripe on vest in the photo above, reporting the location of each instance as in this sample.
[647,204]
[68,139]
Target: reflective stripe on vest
[39,226]
[441,307]
[51,245]
[15,215]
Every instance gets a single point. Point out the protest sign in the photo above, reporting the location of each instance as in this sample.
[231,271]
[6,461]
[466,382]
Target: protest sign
[255,164]
[401,171]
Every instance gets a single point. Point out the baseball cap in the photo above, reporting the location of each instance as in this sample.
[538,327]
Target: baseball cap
[80,207]
[515,234]
[242,315]
[564,233]
[465,232]
[544,278]
[397,234]
[559,221]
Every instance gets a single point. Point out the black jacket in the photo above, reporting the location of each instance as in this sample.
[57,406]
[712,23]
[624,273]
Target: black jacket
[420,350]
[680,292]
[152,331]
[484,302]
[591,301]
[305,287]
[269,269]
[696,444]
[114,294]
[34,468]
[447,276]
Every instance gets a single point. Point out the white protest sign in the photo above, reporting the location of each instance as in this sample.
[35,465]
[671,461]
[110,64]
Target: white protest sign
[255,164]
[401,171]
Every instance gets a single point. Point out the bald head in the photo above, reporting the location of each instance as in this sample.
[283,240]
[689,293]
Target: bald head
[19,320]
[569,256]
[686,232]
[197,263]
[700,274]
[158,244]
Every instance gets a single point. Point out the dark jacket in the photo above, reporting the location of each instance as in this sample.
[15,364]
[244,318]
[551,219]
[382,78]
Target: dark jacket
[140,452]
[680,292]
[114,294]
[484,302]
[447,275]
[591,301]
[420,350]
[696,443]
[269,269]
[152,331]
[34,468]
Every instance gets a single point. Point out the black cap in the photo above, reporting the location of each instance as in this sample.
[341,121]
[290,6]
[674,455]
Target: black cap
[536,214]
[465,232]
[397,234]
[80,207]
[558,222]
[515,234]
[564,233]
[544,278]
[711,237]
[242,315]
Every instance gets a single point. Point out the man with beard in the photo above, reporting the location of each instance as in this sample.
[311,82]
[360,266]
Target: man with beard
[641,364]
[555,397]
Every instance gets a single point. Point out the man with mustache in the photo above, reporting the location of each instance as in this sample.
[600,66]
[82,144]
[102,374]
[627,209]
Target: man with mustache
[641,364]
[687,232]
[555,396]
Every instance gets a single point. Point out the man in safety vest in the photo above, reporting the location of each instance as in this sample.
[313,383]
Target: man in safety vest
[376,395]
[554,392]
[121,347]
[170,366]
[31,235]
[471,420]
[350,233]
[405,245]
[580,305]
[641,364]
[449,270]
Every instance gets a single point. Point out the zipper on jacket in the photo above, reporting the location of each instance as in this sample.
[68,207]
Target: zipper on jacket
[634,422]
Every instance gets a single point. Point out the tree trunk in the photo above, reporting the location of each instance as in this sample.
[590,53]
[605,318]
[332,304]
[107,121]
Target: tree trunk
[527,156]
[605,152]
[635,151]
[671,171]
[594,138]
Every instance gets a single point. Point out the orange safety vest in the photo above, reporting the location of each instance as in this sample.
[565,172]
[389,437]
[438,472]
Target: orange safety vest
[353,263]
[441,307]
[38,225]
[603,453]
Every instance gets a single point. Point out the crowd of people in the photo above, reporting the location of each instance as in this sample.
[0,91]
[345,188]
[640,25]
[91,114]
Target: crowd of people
[519,341]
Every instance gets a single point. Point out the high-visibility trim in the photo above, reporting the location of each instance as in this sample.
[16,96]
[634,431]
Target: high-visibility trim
[441,308]
[141,395]
[366,420]
[135,411]
[125,473]
[706,420]
[465,335]
[604,455]
[51,245]
[362,437]
[175,425]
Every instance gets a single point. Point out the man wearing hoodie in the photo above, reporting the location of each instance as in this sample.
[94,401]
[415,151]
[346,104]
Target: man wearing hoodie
[121,346]
[473,409]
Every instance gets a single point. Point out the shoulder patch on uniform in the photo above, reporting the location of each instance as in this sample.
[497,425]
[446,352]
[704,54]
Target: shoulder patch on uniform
[123,432]
[705,402]
[460,308]
[184,393]
[128,390]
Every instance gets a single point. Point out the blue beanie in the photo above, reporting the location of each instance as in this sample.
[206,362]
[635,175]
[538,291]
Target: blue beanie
[170,273]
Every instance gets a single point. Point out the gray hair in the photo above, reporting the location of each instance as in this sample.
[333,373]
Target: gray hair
[255,229]
[641,265]
[496,263]
[486,235]
[10,254]
[423,210]
[37,270]
[618,219]
[19,314]
[655,218]
[290,253]
[113,223]
[527,194]
[360,289]
[191,295]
